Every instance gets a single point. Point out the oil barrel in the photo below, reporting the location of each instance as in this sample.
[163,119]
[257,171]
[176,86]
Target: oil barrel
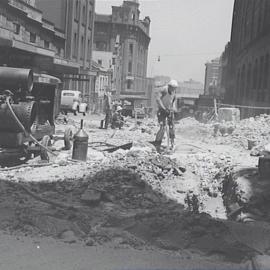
[80,144]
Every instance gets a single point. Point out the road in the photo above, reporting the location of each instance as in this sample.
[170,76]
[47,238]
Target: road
[202,158]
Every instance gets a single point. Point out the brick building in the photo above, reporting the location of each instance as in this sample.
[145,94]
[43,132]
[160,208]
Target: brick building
[127,36]
[248,56]
[75,18]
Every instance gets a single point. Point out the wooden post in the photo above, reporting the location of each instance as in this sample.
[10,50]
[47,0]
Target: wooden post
[135,111]
[215,107]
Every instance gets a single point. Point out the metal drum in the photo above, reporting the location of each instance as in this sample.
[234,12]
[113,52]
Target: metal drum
[25,111]
[80,145]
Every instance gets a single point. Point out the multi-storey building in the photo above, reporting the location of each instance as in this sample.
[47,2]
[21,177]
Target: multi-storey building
[223,81]
[248,61]
[76,19]
[28,40]
[212,74]
[124,34]
[102,85]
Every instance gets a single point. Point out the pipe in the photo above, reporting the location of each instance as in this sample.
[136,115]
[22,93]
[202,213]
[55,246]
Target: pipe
[14,78]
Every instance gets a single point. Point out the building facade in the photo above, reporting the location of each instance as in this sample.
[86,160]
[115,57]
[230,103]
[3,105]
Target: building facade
[223,81]
[248,62]
[127,36]
[27,40]
[103,85]
[212,75]
[76,19]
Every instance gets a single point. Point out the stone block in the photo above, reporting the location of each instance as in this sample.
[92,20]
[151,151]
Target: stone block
[229,114]
[264,167]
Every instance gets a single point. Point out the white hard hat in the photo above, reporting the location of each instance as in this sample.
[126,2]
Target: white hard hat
[119,108]
[173,83]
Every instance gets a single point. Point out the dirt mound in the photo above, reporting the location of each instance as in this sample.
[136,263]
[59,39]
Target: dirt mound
[115,207]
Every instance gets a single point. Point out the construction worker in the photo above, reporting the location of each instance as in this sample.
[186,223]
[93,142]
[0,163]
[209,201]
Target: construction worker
[166,108]
[117,118]
[107,109]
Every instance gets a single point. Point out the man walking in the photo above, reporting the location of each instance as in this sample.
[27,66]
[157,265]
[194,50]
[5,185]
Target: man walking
[166,104]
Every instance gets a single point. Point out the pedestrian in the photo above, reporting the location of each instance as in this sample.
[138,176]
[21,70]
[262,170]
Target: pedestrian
[107,109]
[166,108]
[117,118]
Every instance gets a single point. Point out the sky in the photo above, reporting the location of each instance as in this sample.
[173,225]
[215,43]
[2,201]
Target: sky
[184,33]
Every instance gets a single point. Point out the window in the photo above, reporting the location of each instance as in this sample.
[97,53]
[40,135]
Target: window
[84,15]
[17,28]
[255,75]
[77,10]
[58,51]
[90,19]
[133,16]
[101,46]
[131,48]
[68,94]
[243,81]
[249,80]
[46,44]
[75,45]
[129,84]
[82,47]
[238,83]
[100,62]
[89,49]
[130,67]
[33,37]
[266,72]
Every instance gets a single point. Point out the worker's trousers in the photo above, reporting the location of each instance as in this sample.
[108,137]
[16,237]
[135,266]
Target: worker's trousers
[165,119]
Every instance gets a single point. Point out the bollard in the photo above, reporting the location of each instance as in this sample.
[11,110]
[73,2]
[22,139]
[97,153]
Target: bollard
[80,145]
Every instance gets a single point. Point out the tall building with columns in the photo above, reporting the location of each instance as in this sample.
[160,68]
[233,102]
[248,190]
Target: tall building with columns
[127,36]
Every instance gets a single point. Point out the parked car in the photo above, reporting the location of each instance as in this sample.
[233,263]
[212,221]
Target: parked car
[70,101]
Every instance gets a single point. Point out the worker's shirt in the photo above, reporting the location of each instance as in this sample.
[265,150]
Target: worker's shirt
[167,99]
[117,117]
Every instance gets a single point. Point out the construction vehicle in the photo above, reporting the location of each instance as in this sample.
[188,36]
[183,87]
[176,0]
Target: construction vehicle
[29,104]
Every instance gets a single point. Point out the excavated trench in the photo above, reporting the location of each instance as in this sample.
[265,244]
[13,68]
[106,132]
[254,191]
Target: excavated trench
[247,196]
[116,208]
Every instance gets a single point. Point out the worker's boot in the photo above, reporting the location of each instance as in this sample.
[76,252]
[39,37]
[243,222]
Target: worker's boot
[172,145]
[157,144]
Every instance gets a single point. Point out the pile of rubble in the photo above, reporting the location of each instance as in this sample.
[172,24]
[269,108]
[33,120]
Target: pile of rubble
[191,128]
[246,133]
[116,207]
